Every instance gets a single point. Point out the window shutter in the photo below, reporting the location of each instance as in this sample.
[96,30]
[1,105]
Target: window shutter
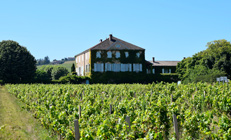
[162,70]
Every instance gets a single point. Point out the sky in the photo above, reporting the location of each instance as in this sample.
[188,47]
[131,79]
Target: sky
[166,29]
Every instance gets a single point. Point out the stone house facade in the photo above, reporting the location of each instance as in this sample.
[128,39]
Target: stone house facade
[112,55]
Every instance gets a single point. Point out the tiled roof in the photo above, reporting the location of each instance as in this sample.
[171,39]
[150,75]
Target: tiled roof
[109,45]
[164,63]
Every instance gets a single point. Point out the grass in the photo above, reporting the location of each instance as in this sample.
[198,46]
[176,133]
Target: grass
[66,64]
[17,123]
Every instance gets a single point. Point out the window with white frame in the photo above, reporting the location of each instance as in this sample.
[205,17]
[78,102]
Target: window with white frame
[153,71]
[79,58]
[128,67]
[86,56]
[166,70]
[123,67]
[87,68]
[98,54]
[108,67]
[98,67]
[82,57]
[126,54]
[116,67]
[109,54]
[76,59]
[138,54]
[137,67]
[117,54]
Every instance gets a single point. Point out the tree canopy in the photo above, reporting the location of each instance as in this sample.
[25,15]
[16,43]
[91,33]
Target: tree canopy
[208,64]
[16,63]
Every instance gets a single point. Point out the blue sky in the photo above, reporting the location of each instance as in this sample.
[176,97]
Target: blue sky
[167,29]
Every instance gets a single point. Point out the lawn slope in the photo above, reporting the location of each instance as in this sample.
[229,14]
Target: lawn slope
[18,124]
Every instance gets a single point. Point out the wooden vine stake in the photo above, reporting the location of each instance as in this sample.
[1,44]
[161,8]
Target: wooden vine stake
[79,111]
[175,123]
[128,122]
[110,109]
[77,135]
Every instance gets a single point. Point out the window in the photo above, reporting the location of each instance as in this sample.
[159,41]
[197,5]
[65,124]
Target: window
[82,70]
[138,54]
[126,54]
[116,67]
[98,54]
[98,67]
[109,54]
[108,67]
[128,67]
[117,45]
[87,68]
[76,60]
[79,58]
[117,54]
[165,70]
[153,71]
[86,56]
[82,57]
[123,67]
[148,71]
[79,71]
[137,67]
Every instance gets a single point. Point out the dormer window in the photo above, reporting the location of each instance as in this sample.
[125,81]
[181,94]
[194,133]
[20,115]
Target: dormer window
[138,54]
[109,54]
[98,54]
[117,45]
[117,54]
[126,54]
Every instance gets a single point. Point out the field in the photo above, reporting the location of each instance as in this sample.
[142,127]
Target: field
[66,64]
[202,110]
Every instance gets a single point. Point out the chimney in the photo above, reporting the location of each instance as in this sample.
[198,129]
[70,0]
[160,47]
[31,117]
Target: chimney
[184,57]
[110,37]
[101,40]
[153,59]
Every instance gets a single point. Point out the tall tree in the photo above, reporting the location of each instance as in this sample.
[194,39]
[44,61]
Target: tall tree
[16,63]
[210,63]
[73,68]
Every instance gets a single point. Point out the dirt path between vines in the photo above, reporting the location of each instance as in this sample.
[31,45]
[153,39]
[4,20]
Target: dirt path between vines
[16,123]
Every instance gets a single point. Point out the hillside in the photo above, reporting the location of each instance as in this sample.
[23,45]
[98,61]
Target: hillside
[66,64]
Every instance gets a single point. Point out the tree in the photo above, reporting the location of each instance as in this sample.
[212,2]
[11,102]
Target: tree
[73,68]
[206,65]
[42,77]
[16,63]
[58,72]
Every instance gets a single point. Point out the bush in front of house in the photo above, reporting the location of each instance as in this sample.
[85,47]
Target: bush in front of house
[73,79]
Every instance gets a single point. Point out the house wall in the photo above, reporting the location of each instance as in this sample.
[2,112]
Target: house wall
[131,59]
[158,69]
[82,64]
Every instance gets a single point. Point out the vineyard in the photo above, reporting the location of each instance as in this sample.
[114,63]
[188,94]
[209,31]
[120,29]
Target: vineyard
[202,110]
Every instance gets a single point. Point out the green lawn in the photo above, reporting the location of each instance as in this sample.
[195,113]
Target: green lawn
[17,123]
[66,64]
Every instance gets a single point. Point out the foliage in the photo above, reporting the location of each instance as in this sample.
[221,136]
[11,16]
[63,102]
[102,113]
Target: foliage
[73,68]
[16,63]
[73,79]
[208,64]
[131,77]
[44,61]
[202,110]
[54,72]
[42,77]
[58,72]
